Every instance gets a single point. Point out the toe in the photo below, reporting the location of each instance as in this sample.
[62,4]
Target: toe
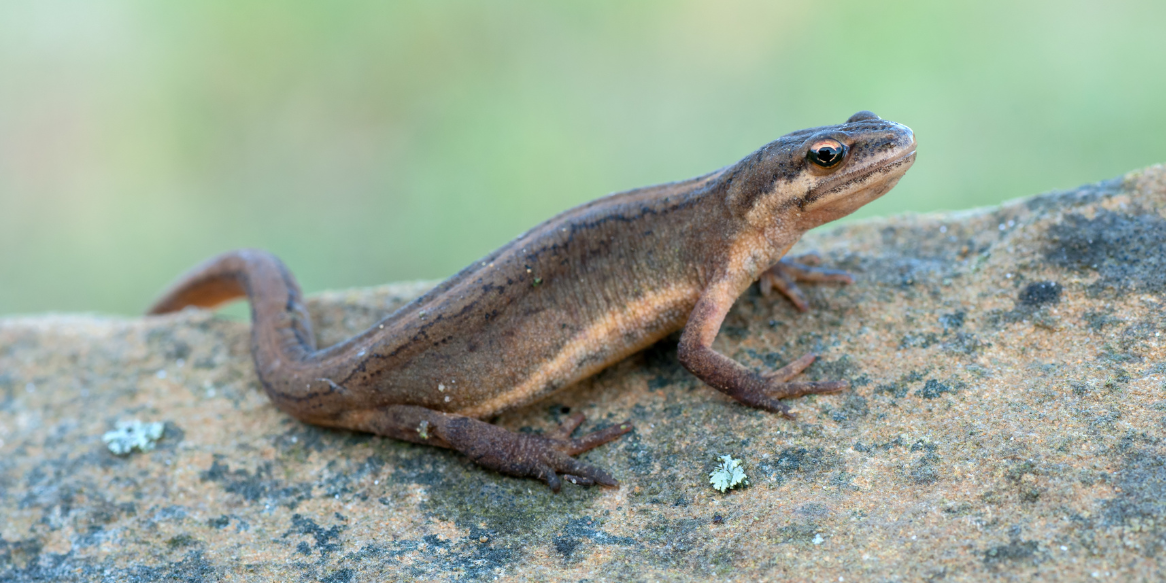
[765,284]
[597,438]
[790,390]
[567,427]
[570,466]
[792,369]
[578,480]
[762,401]
[551,478]
[810,259]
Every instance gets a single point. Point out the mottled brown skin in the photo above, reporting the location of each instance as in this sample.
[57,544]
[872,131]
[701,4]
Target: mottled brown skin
[559,303]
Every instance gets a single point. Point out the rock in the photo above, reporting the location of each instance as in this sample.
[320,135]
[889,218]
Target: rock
[1007,419]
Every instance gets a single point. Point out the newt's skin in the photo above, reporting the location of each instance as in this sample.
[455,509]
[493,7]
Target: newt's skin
[566,299]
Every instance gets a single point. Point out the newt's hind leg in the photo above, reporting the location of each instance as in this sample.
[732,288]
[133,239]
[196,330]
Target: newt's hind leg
[543,457]
[784,277]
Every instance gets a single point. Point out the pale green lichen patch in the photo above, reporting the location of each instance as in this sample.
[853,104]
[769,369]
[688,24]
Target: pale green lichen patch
[131,435]
[728,475]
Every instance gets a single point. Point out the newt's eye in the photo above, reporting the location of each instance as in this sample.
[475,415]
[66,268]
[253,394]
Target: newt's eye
[827,153]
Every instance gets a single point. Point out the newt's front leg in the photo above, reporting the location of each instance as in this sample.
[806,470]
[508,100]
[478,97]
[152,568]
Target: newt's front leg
[784,277]
[727,375]
[543,457]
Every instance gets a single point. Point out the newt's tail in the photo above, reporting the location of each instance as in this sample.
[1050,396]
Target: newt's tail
[280,322]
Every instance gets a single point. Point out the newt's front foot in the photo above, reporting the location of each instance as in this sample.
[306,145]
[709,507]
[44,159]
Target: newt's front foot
[543,457]
[781,388]
[787,272]
[766,391]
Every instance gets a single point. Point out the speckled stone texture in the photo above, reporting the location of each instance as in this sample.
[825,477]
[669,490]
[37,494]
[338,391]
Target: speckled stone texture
[1006,422]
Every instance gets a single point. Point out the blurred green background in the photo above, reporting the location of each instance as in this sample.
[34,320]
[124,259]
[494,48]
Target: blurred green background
[366,142]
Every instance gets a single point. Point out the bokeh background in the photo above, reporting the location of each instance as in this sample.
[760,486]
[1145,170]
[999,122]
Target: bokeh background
[367,142]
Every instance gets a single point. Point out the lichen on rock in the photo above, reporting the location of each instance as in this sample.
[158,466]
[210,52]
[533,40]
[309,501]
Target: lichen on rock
[728,474]
[132,435]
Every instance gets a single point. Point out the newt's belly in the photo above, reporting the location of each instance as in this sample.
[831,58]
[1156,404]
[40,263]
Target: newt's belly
[508,363]
[608,339]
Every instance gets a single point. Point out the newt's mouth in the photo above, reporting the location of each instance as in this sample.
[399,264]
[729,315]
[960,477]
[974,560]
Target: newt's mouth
[862,179]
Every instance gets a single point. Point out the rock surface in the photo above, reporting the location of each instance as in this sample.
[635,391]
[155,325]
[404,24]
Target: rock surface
[1006,422]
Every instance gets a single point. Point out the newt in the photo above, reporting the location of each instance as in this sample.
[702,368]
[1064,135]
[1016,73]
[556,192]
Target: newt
[566,299]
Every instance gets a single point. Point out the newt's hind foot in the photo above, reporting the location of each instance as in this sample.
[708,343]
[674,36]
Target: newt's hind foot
[544,457]
[784,277]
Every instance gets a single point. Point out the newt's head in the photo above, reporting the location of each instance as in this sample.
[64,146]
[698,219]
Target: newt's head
[814,176]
